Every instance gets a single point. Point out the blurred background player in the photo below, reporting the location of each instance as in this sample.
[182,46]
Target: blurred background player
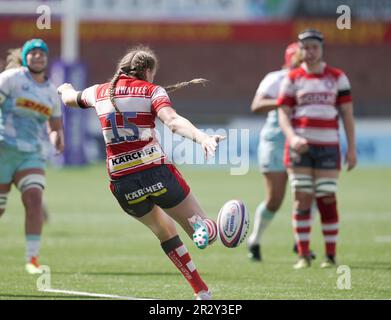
[311,99]
[145,184]
[270,149]
[29,106]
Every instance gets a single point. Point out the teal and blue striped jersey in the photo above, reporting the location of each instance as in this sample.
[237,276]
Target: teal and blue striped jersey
[25,108]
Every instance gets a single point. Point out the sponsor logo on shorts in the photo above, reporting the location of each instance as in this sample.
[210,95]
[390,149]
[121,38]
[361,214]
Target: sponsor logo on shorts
[141,194]
[329,163]
[136,158]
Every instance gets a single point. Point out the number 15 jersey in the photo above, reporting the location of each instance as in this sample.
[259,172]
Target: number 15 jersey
[130,136]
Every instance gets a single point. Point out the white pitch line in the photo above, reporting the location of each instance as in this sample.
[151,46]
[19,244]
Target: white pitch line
[88,294]
[384,239]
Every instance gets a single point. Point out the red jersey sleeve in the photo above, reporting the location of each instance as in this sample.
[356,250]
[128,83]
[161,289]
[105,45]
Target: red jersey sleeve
[344,95]
[287,95]
[159,99]
[87,98]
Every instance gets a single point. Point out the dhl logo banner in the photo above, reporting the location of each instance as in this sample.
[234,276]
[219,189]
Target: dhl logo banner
[34,106]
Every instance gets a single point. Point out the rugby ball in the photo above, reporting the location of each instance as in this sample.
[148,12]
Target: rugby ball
[233,223]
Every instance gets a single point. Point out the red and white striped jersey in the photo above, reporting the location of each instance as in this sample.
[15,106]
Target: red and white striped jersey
[314,99]
[130,136]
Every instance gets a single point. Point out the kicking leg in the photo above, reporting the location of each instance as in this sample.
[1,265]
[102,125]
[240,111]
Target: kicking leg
[191,217]
[164,229]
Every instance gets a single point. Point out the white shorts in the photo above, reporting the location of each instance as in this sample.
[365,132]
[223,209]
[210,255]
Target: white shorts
[271,156]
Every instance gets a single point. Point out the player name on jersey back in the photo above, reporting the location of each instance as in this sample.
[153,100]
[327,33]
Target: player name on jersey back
[129,128]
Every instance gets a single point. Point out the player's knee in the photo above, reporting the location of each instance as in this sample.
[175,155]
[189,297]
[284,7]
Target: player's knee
[31,181]
[303,188]
[274,200]
[327,205]
[31,187]
[32,198]
[326,188]
[273,204]
[3,202]
[303,200]
[302,183]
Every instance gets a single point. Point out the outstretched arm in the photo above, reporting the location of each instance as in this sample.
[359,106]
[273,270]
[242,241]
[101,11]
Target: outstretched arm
[68,95]
[182,126]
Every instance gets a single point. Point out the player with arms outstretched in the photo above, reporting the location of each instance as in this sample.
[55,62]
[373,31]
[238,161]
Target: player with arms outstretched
[29,105]
[311,99]
[146,185]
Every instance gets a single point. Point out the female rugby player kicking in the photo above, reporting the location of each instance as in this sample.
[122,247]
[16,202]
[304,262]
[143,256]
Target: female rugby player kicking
[146,185]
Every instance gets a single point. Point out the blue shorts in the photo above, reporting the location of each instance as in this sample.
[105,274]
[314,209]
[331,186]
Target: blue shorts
[316,157]
[139,192]
[271,155]
[13,161]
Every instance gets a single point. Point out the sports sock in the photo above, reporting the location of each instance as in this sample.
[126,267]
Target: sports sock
[33,243]
[178,254]
[212,230]
[262,219]
[301,223]
[329,217]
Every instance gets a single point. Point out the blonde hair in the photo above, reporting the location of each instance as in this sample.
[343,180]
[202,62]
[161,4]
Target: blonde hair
[14,59]
[135,64]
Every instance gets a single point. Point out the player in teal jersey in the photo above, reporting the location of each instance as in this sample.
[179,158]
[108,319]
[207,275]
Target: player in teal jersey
[29,108]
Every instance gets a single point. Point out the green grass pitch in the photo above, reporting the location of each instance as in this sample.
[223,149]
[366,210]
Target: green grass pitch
[90,245]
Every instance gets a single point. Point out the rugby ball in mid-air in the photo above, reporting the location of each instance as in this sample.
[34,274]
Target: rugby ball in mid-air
[233,223]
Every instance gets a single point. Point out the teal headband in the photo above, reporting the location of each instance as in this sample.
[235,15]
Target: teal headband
[31,45]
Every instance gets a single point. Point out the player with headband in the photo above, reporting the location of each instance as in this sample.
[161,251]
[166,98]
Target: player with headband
[29,106]
[312,98]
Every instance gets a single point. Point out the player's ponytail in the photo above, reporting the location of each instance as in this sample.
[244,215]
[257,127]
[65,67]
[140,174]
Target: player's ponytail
[135,64]
[184,84]
[113,82]
[14,59]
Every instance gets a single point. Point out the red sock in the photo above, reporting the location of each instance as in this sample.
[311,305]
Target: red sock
[178,254]
[212,230]
[327,206]
[301,222]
